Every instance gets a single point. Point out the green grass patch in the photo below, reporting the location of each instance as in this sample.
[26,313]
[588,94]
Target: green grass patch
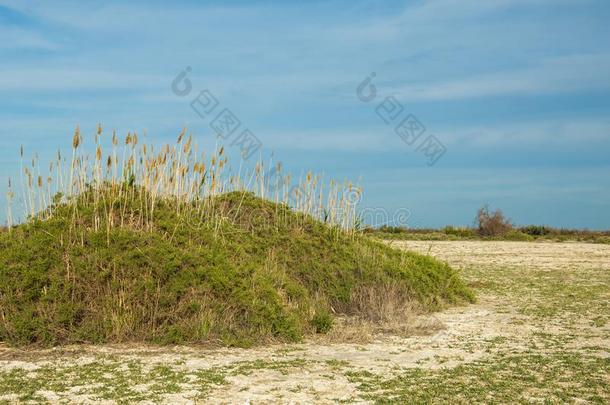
[515,378]
[521,378]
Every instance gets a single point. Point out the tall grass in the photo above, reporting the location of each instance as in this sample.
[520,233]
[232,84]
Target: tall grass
[124,184]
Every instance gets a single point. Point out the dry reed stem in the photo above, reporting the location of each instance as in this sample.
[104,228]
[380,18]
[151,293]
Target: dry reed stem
[141,178]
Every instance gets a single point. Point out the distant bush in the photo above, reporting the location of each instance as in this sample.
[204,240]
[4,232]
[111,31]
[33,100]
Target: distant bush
[392,229]
[564,234]
[459,232]
[492,224]
[536,230]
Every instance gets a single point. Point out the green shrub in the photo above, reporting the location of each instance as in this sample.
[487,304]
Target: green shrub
[536,230]
[459,232]
[322,321]
[392,229]
[515,235]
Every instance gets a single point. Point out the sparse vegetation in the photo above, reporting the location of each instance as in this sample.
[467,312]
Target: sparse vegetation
[163,251]
[491,226]
[557,352]
[557,378]
[517,234]
[539,232]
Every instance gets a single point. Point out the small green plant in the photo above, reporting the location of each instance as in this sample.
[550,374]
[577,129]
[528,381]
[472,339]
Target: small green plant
[322,321]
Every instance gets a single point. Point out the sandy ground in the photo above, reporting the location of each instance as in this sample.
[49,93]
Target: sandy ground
[544,255]
[514,311]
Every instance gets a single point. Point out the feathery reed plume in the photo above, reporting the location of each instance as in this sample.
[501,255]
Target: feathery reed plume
[75,144]
[76,138]
[126,191]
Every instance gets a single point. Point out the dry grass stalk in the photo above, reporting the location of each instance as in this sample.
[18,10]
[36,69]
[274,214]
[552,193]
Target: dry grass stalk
[125,191]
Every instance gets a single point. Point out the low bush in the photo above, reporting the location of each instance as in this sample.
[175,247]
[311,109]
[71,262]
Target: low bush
[392,229]
[322,321]
[515,235]
[536,230]
[492,224]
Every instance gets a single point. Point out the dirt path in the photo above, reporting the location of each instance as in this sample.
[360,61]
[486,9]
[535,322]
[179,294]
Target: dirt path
[540,331]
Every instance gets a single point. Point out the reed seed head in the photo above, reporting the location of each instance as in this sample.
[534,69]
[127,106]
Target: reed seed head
[76,138]
[181,135]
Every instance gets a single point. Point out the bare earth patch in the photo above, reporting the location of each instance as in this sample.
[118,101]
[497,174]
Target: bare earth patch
[540,331]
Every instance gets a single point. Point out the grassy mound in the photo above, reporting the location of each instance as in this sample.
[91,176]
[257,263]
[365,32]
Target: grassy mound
[257,271]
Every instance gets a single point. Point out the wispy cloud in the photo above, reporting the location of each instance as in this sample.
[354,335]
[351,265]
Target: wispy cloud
[556,75]
[560,132]
[70,79]
[564,131]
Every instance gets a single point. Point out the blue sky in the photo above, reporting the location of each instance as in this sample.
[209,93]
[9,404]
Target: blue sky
[517,91]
